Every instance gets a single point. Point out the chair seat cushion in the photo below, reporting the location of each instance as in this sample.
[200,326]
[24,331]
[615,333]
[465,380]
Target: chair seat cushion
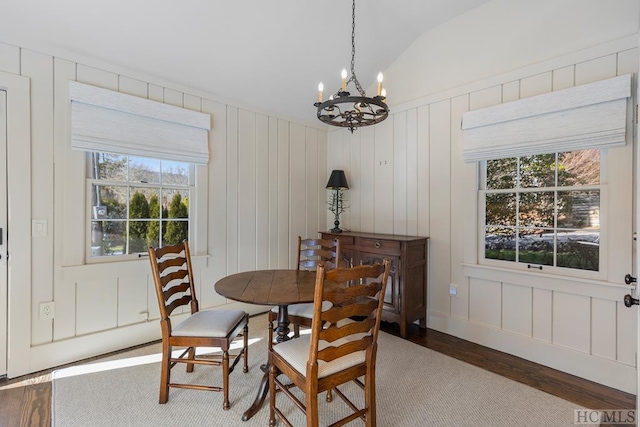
[305,309]
[296,352]
[209,323]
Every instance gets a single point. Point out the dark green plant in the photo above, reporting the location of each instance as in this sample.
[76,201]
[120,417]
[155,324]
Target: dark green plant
[177,231]
[153,229]
[138,209]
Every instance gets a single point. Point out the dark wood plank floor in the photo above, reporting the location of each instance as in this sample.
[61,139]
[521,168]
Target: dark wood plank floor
[26,401]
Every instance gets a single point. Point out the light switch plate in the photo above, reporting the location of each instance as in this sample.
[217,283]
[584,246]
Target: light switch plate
[39,228]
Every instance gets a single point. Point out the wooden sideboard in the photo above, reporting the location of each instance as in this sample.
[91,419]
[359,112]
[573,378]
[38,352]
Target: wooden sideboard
[406,294]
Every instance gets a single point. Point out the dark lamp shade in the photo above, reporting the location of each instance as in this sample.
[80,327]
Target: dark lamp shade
[337,181]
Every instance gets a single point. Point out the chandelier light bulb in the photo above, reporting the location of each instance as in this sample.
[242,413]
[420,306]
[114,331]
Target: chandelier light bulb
[320,89]
[380,83]
[344,79]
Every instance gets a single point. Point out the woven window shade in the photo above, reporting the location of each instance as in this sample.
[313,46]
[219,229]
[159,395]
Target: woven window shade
[592,115]
[113,122]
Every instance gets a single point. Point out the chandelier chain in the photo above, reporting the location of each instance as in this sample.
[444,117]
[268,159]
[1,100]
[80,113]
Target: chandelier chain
[353,78]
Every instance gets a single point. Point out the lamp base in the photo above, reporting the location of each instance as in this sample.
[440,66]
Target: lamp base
[336,223]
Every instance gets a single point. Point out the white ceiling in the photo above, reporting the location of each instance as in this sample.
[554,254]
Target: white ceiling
[266,54]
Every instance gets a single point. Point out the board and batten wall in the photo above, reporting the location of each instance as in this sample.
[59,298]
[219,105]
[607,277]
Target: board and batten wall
[265,182]
[407,176]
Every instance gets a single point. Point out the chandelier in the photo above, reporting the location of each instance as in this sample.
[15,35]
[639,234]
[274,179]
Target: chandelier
[348,111]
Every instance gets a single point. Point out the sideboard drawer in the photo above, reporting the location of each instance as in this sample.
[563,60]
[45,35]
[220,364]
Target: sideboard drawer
[344,240]
[379,245]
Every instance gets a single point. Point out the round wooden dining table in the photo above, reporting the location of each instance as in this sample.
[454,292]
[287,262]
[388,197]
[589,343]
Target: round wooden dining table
[269,287]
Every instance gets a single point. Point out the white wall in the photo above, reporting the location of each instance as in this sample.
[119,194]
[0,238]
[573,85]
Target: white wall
[502,51]
[504,35]
[265,179]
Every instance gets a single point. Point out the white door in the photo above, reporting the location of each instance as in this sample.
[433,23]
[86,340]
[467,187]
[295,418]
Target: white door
[637,228]
[3,234]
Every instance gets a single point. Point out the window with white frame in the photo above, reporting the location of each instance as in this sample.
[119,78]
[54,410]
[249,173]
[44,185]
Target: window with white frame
[137,202]
[145,171]
[545,163]
[544,210]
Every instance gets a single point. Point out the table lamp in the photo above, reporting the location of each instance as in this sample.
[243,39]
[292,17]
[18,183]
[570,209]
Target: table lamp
[337,182]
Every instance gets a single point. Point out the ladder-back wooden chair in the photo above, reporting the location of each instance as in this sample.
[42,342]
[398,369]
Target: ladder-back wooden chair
[332,355]
[311,253]
[173,277]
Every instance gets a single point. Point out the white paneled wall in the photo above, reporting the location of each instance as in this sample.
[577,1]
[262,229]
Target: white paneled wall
[422,186]
[517,316]
[440,205]
[265,182]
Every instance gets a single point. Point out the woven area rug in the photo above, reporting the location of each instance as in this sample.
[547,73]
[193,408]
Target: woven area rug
[415,387]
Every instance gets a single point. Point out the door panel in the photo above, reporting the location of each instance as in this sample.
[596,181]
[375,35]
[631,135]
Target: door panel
[3,233]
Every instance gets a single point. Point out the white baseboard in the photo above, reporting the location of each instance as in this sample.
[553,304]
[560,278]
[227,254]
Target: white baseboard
[603,371]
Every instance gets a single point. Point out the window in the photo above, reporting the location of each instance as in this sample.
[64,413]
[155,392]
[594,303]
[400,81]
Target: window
[544,210]
[137,202]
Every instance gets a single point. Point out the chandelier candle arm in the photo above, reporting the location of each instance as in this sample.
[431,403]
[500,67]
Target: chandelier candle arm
[352,112]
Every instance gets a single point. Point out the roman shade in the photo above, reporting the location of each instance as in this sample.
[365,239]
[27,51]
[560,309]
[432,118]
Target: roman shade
[592,115]
[107,121]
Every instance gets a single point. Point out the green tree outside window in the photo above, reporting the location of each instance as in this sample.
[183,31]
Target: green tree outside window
[177,231]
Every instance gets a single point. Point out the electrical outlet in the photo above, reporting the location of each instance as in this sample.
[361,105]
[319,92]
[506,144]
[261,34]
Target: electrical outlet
[453,290]
[47,310]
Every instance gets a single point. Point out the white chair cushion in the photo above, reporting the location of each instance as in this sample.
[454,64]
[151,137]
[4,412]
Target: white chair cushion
[304,310]
[296,352]
[209,323]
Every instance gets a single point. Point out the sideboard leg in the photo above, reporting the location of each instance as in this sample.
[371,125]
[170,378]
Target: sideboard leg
[423,322]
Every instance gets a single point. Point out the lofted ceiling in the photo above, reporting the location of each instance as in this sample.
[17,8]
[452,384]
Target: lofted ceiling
[266,54]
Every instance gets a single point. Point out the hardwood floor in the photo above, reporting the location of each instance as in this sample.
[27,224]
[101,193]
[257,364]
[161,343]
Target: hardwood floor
[26,401]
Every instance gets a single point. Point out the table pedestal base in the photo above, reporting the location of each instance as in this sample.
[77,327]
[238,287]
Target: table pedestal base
[282,334]
[263,389]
